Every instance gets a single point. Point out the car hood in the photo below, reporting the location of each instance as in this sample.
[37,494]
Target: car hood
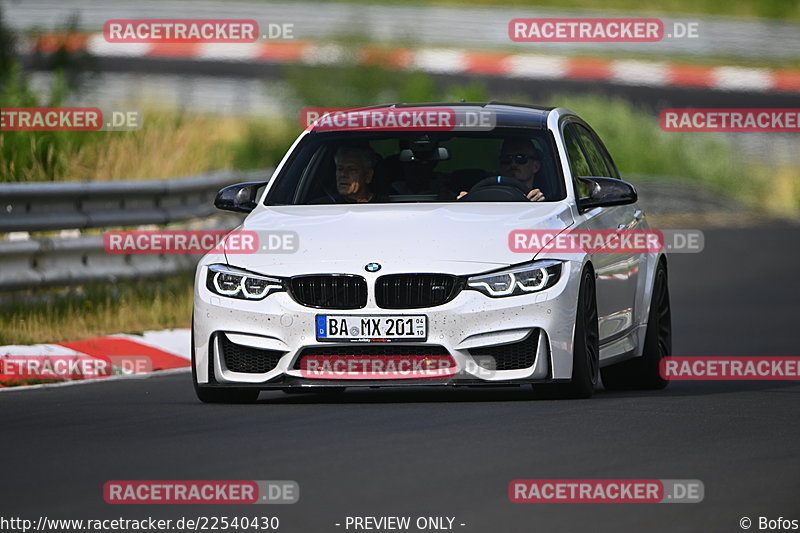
[462,238]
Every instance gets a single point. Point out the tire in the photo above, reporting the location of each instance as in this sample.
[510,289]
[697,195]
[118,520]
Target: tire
[220,395]
[642,373]
[585,349]
[226,395]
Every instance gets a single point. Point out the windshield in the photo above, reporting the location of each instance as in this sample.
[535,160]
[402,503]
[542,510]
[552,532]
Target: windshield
[402,167]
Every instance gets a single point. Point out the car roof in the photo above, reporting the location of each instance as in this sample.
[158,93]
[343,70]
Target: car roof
[507,115]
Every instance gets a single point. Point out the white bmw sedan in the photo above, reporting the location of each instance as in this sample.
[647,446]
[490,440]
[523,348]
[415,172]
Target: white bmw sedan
[434,245]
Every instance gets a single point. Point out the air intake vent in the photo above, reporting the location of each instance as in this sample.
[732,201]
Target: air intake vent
[514,356]
[247,359]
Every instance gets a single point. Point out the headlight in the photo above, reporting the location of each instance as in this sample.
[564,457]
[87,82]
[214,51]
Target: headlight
[534,277]
[227,281]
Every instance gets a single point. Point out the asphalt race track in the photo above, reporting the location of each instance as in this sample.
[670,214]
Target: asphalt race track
[453,453]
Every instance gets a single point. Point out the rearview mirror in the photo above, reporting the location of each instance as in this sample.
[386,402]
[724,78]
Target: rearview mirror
[604,192]
[436,154]
[241,198]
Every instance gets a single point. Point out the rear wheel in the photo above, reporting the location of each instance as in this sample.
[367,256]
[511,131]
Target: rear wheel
[219,395]
[643,372]
[585,348]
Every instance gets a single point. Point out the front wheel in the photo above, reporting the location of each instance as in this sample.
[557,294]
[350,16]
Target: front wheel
[214,395]
[643,372]
[585,348]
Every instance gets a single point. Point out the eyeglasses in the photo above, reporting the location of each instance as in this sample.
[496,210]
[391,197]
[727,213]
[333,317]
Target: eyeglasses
[520,159]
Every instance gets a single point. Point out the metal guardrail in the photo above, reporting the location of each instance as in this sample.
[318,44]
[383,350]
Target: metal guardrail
[81,205]
[49,261]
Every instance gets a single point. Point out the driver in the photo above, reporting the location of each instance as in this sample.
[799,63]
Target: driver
[521,160]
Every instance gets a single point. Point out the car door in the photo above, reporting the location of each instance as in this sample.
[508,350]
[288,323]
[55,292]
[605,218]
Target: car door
[616,273]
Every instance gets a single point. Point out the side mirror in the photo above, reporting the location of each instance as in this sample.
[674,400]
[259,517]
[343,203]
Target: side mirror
[604,192]
[242,197]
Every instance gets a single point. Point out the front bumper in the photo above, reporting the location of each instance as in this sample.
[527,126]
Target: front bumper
[467,328]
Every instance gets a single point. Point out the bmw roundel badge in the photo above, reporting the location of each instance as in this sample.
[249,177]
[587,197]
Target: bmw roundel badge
[372,267]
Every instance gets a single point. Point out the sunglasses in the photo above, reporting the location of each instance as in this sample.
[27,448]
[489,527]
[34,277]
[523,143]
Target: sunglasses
[520,159]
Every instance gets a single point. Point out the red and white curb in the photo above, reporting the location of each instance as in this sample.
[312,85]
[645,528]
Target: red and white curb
[446,61]
[162,350]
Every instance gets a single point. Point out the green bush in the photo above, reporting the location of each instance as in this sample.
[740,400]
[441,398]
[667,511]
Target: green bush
[40,154]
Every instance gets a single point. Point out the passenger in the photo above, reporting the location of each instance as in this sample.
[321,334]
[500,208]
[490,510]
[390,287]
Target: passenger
[355,169]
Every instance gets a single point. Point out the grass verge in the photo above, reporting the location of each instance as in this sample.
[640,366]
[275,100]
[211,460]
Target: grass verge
[168,145]
[59,315]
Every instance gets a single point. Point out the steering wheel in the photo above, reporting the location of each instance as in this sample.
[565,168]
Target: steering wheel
[497,189]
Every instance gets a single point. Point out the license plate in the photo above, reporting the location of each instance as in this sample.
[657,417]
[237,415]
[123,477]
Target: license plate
[372,328]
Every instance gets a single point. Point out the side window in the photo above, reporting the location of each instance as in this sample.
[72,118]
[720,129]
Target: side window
[594,152]
[576,159]
[612,167]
